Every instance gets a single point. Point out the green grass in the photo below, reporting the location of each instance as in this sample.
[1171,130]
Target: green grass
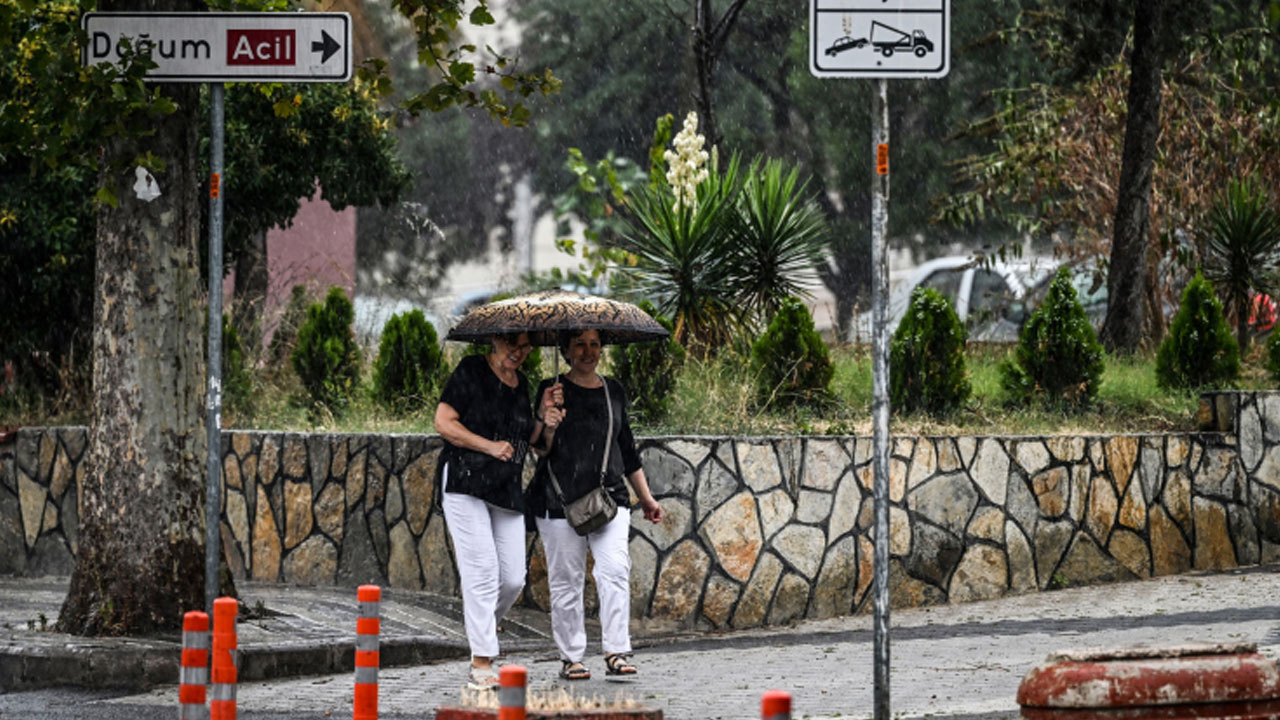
[714,397]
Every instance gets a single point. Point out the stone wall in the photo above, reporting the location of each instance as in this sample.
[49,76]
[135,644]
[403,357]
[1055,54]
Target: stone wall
[757,530]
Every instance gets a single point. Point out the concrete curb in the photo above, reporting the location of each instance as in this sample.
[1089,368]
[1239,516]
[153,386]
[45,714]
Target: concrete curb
[65,660]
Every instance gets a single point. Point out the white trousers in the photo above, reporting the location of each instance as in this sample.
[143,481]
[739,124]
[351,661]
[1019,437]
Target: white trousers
[488,543]
[567,573]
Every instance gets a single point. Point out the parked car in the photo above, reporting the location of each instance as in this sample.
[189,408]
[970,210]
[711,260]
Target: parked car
[988,298]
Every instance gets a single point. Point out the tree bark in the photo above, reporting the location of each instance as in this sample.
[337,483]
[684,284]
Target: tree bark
[140,560]
[709,37]
[1125,324]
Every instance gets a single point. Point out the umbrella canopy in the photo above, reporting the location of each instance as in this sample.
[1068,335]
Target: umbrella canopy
[545,314]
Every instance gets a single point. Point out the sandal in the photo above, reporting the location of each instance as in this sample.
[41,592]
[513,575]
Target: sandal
[478,679]
[570,670]
[617,664]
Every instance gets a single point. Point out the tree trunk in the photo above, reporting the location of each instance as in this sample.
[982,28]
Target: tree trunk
[140,563]
[710,34]
[704,63]
[1125,323]
[251,292]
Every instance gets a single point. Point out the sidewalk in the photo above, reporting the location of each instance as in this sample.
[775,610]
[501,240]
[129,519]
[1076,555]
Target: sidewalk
[283,632]
[961,662]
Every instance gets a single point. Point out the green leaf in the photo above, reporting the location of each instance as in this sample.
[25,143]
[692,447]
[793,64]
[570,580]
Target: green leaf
[462,73]
[107,196]
[481,16]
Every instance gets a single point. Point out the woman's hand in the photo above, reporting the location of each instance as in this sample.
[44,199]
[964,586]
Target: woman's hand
[552,417]
[553,397]
[501,450]
[652,510]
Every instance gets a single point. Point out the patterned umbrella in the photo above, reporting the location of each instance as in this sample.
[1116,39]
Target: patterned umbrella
[544,314]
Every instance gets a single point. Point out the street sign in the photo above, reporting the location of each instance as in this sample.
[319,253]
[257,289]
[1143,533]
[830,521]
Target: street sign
[212,47]
[880,38]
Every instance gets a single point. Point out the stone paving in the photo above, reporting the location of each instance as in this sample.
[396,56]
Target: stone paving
[960,661]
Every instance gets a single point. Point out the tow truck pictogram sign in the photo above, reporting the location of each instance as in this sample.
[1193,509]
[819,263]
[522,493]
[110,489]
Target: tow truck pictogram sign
[226,47]
[880,38]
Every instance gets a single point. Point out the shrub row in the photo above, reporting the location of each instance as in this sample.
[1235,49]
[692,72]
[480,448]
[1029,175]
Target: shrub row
[1058,359]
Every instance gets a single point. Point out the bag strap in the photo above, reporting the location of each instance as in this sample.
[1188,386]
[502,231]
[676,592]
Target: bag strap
[608,444]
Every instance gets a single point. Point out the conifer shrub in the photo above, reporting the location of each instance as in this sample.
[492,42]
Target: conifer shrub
[926,356]
[648,370]
[327,358]
[1273,356]
[1058,356]
[1199,350]
[409,368]
[790,361]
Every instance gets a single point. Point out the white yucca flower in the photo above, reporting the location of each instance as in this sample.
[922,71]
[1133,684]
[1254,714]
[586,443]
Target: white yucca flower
[686,166]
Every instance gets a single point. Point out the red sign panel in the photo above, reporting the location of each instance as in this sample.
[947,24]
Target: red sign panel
[261,47]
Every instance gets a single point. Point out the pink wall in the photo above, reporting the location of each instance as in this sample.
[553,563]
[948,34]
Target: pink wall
[318,251]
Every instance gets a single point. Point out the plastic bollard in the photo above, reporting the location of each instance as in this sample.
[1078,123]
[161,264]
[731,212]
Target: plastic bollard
[775,705]
[222,691]
[511,692]
[368,625]
[194,673]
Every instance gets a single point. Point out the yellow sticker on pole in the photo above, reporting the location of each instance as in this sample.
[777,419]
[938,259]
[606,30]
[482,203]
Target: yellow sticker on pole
[882,159]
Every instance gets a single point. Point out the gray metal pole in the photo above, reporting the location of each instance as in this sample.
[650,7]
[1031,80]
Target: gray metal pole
[213,418]
[880,389]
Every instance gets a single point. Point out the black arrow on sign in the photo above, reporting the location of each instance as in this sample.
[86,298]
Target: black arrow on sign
[327,46]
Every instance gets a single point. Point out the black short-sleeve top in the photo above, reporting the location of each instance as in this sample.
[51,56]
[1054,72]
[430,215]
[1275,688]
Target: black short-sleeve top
[493,410]
[578,448]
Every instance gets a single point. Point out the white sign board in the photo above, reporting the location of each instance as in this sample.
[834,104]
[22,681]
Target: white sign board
[226,47]
[880,38]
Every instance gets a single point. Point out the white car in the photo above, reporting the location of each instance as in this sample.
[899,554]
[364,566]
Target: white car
[988,298]
[373,311]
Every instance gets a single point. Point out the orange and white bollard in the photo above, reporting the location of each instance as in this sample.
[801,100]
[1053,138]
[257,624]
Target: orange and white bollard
[775,705]
[511,692]
[222,692]
[195,666]
[368,625]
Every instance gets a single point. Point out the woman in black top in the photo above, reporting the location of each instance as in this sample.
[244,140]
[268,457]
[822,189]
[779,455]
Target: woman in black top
[577,445]
[485,420]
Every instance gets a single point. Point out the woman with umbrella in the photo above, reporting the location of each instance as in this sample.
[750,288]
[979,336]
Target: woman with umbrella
[592,434]
[485,420]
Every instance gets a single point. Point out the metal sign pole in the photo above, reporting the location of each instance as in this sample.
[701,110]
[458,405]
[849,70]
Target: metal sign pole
[213,418]
[880,390]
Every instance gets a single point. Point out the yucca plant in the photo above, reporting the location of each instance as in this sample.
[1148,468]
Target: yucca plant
[1241,250]
[685,255]
[782,234]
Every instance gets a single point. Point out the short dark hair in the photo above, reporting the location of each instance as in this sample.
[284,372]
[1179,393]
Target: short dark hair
[566,338]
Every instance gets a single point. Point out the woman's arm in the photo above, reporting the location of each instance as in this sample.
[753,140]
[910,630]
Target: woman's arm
[627,445]
[449,425]
[652,510]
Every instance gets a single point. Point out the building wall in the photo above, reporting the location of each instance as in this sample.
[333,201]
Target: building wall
[758,531]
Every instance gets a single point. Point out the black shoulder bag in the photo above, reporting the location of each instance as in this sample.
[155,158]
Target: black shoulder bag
[595,509]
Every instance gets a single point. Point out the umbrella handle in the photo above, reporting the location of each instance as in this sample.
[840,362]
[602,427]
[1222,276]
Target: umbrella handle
[557,377]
